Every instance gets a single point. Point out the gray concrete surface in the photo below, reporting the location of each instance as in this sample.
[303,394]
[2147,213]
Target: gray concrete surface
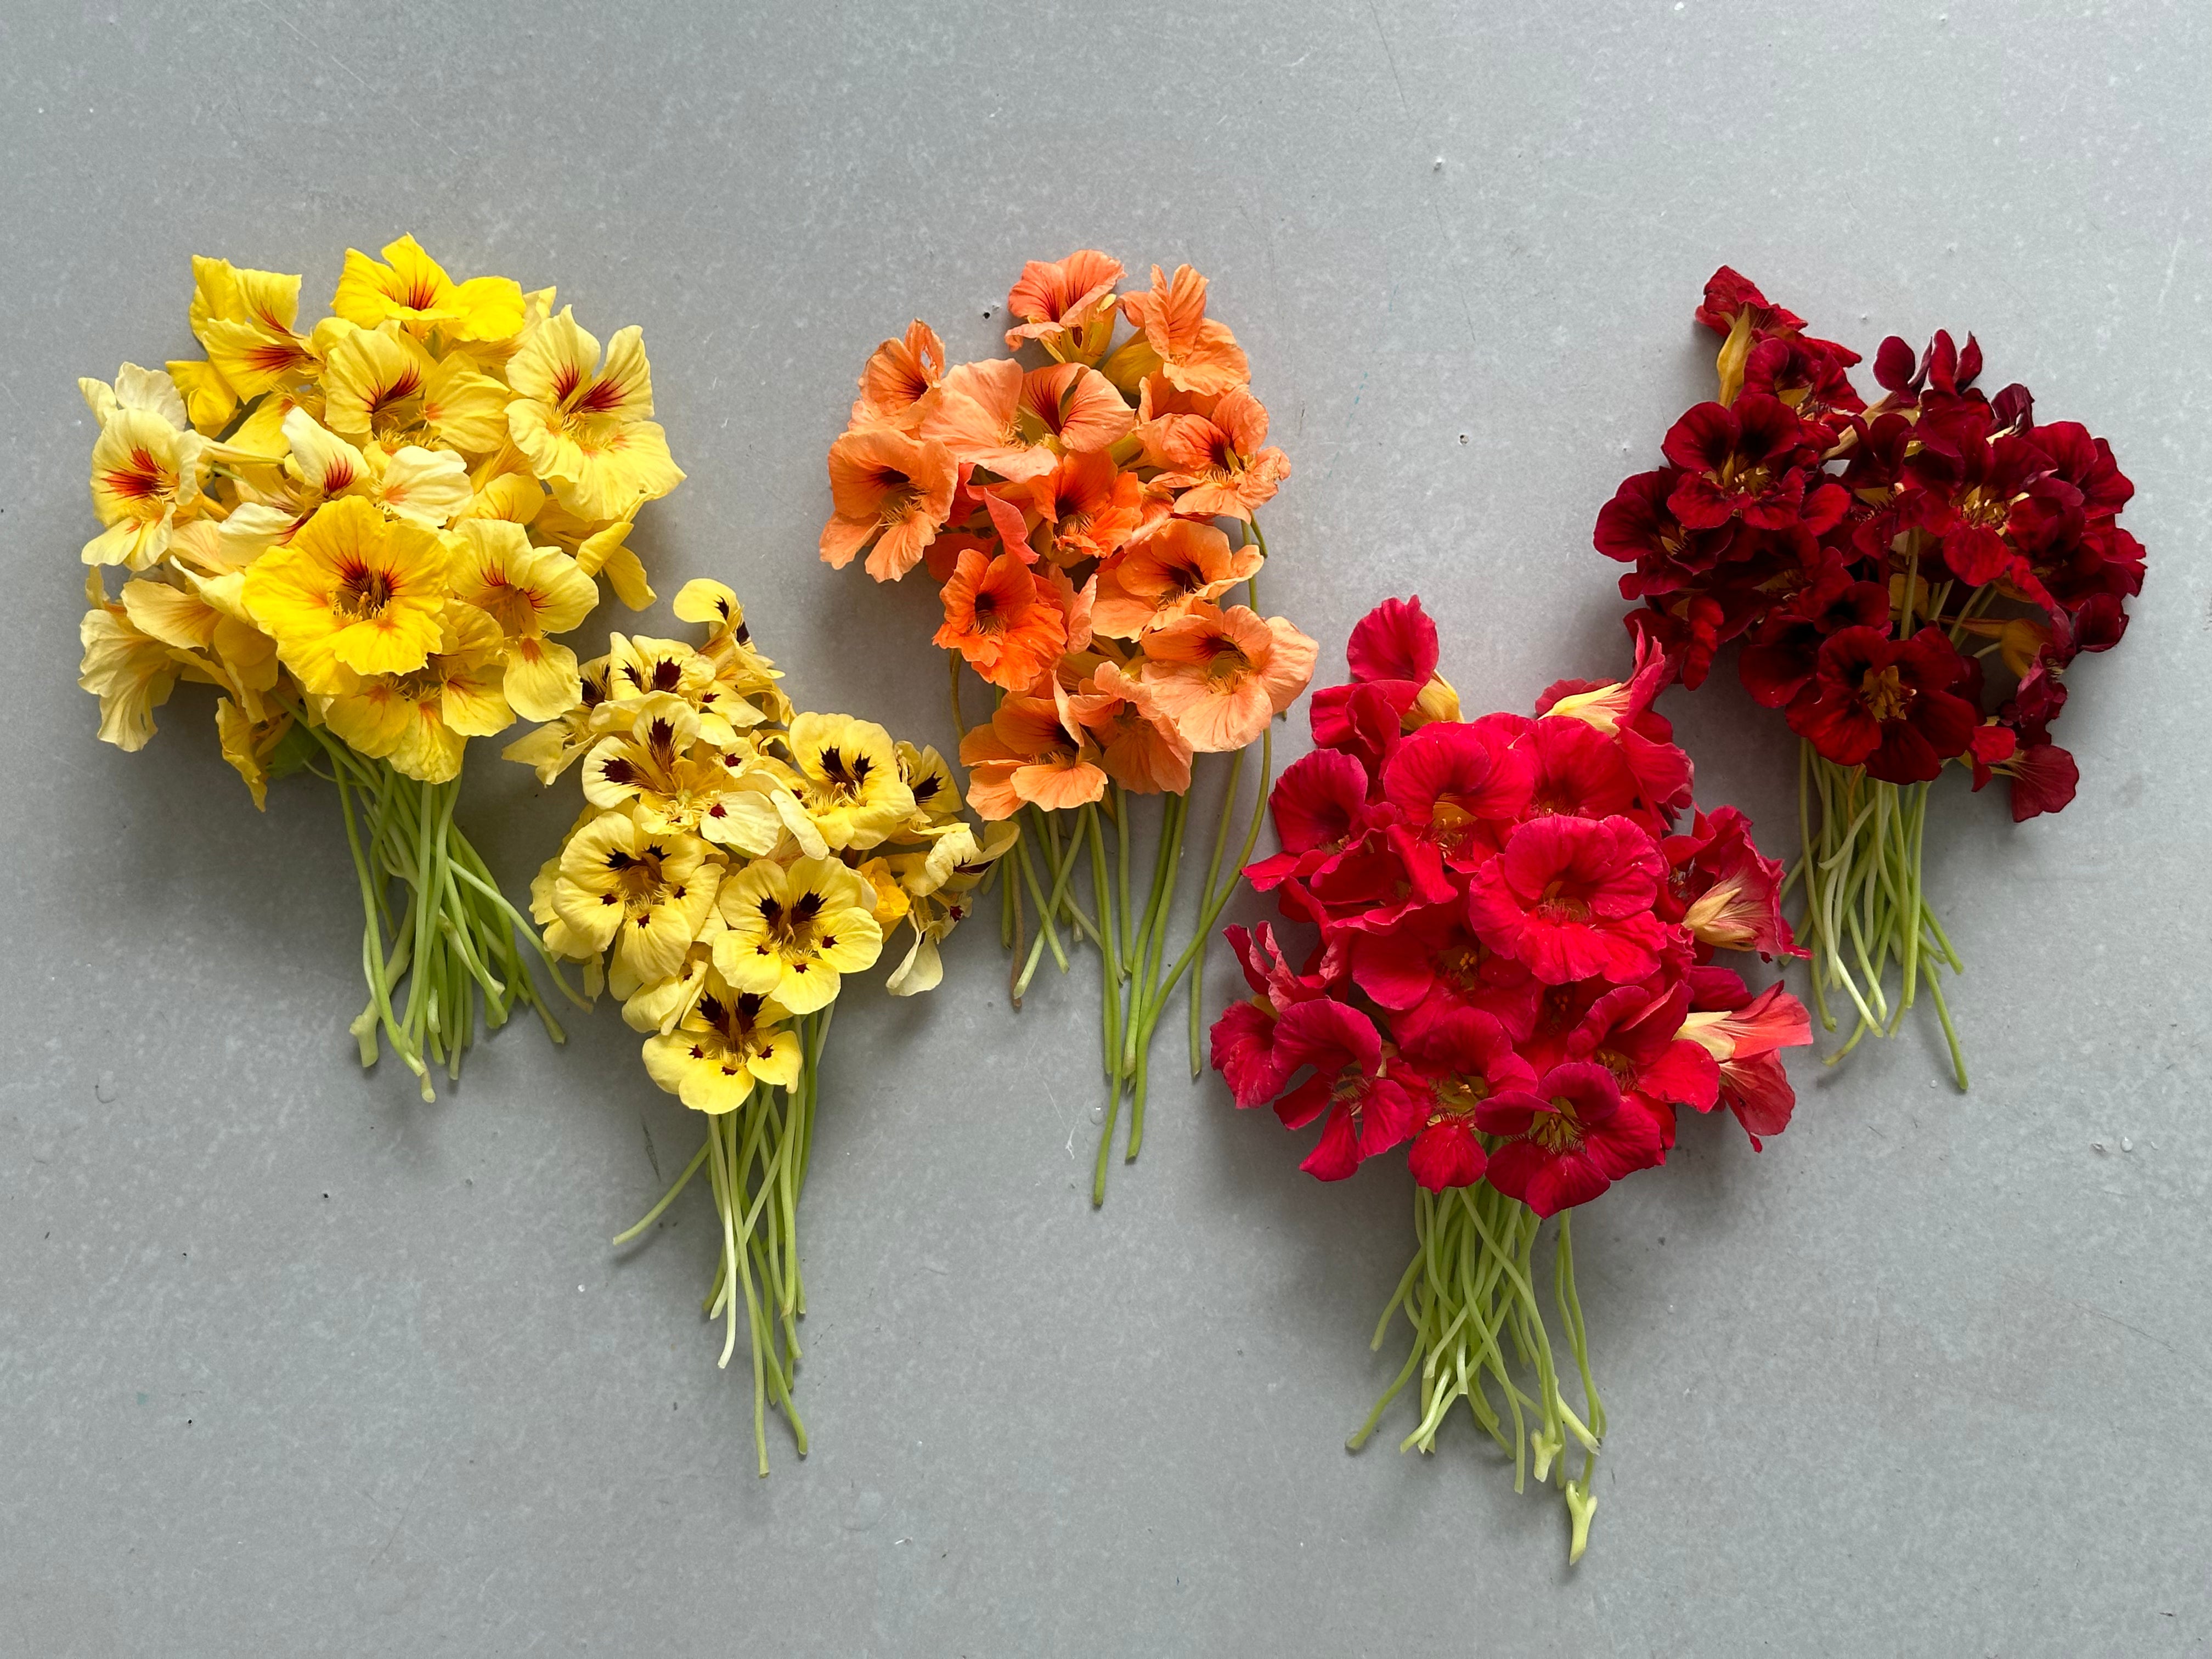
[290,1363]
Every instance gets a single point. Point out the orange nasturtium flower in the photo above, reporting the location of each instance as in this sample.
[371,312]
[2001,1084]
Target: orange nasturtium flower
[1005,622]
[1027,756]
[1179,340]
[1222,675]
[891,491]
[1159,577]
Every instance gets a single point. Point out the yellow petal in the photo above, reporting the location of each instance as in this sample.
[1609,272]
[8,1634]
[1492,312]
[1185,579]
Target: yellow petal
[430,486]
[555,358]
[170,615]
[542,679]
[490,307]
[131,672]
[412,287]
[608,553]
[326,462]
[465,409]
[704,600]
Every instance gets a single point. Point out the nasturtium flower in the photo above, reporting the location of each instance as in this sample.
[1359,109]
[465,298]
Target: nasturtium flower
[730,1041]
[381,384]
[644,894]
[585,426]
[352,593]
[131,673]
[889,490]
[1178,341]
[144,469]
[898,380]
[1222,675]
[794,929]
[1003,620]
[1159,577]
[422,719]
[854,788]
[1066,305]
[412,289]
[530,592]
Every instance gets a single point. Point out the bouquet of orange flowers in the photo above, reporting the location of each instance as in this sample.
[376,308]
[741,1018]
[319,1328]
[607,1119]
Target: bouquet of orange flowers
[1078,514]
[734,863]
[365,537]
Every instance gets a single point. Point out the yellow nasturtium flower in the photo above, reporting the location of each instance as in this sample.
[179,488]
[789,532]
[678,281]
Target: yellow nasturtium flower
[421,720]
[853,788]
[353,593]
[646,895]
[794,929]
[413,290]
[381,385]
[530,591]
[730,1041]
[131,672]
[144,470]
[586,427]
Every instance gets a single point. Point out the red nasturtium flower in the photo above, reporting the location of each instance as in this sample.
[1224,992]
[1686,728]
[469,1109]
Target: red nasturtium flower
[1886,704]
[1500,901]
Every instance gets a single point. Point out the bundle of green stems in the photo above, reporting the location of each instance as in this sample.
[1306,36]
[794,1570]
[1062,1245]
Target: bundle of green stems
[453,938]
[1866,904]
[1470,1295]
[755,1159]
[1137,976]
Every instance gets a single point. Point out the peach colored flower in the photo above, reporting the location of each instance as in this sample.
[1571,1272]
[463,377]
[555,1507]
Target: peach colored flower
[1195,352]
[1026,755]
[899,376]
[978,417]
[1222,675]
[1074,406]
[1138,745]
[1158,579]
[1009,626]
[1221,463]
[1092,506]
[890,489]
[1062,302]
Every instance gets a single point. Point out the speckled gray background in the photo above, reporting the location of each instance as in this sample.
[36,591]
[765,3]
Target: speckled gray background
[291,1363]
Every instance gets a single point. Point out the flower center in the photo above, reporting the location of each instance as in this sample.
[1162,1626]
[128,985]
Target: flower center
[1457,1097]
[362,593]
[1886,695]
[1557,1131]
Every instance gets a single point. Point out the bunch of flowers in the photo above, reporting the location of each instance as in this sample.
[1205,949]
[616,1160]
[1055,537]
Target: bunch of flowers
[733,863]
[1873,558]
[364,537]
[1513,979]
[1077,515]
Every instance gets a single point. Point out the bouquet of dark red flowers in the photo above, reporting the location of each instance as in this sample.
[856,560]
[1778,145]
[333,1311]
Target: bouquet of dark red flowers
[1874,557]
[1514,976]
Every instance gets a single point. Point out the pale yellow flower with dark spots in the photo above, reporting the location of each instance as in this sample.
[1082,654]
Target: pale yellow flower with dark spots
[729,1042]
[852,786]
[794,930]
[644,894]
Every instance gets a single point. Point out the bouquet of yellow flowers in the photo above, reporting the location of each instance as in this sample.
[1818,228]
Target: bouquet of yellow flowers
[734,862]
[364,537]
